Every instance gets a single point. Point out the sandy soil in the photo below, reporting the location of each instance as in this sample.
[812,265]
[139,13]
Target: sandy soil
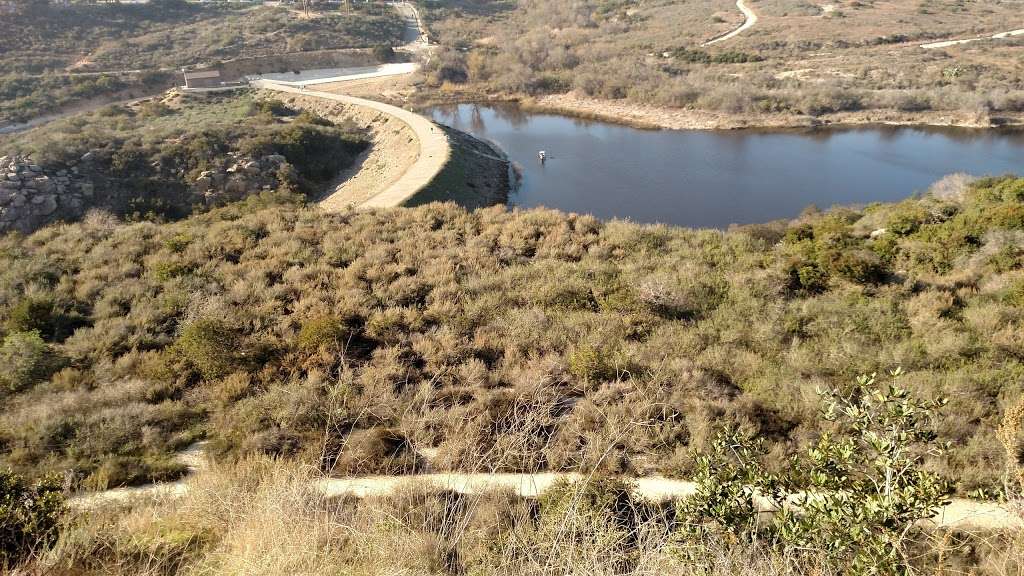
[645,116]
[961,513]
[193,458]
[948,43]
[750,18]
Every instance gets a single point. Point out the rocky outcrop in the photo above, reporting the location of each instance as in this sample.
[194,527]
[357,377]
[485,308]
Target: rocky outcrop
[239,177]
[32,196]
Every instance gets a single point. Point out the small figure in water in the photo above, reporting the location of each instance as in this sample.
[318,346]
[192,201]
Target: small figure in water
[543,156]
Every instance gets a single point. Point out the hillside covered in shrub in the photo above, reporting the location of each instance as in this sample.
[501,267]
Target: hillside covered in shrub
[164,158]
[398,340]
[57,55]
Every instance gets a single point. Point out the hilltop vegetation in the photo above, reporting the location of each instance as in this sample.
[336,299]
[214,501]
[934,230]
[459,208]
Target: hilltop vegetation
[518,341]
[48,48]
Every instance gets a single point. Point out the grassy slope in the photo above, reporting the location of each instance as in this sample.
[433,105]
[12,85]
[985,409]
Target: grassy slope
[507,340]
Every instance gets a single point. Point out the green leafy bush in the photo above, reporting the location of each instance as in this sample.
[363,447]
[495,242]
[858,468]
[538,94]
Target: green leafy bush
[322,333]
[211,346]
[30,514]
[27,360]
[857,494]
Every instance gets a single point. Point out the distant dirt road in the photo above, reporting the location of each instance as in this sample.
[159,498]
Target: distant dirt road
[751,19]
[948,43]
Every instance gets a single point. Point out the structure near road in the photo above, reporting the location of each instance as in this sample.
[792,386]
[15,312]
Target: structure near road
[202,78]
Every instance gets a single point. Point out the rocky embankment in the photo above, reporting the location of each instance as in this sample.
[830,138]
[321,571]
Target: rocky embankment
[32,196]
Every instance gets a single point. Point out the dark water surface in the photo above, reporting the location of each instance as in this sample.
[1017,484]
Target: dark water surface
[716,178]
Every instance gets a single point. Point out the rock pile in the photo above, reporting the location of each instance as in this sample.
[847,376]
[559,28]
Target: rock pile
[240,177]
[31,197]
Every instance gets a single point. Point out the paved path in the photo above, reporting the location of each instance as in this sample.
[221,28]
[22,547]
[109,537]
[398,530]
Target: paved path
[751,19]
[434,149]
[332,75]
[948,43]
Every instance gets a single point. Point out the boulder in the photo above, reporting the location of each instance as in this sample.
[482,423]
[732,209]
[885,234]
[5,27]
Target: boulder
[48,206]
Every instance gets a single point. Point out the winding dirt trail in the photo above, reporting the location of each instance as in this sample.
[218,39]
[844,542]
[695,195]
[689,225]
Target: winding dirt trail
[751,19]
[961,513]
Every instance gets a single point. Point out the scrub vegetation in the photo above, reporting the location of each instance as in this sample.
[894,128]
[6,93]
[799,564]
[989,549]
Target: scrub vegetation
[53,53]
[799,59]
[144,160]
[505,341]
[868,516]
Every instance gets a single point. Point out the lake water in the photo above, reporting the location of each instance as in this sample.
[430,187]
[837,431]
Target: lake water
[716,178]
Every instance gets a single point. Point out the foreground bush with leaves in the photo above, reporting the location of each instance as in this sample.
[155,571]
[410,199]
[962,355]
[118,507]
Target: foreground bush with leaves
[855,495]
[30,513]
[855,503]
[503,340]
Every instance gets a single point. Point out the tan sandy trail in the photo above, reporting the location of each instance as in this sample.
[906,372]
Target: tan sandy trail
[960,513]
[396,184]
[750,19]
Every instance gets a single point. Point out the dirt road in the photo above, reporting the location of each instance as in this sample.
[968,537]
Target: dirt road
[396,188]
[960,513]
[751,19]
[948,43]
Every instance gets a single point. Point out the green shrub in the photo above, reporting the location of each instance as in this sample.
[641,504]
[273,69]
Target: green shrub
[807,277]
[858,493]
[590,364]
[384,53]
[211,346]
[33,314]
[26,360]
[29,516]
[322,333]
[861,266]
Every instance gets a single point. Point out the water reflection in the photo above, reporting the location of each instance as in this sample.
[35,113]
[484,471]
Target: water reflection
[713,179]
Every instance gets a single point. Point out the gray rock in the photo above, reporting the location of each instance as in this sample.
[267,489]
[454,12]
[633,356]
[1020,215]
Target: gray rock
[18,201]
[39,199]
[88,156]
[86,188]
[49,206]
[35,168]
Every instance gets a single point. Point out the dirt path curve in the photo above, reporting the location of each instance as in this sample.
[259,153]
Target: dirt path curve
[751,19]
[960,513]
[948,43]
[434,152]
